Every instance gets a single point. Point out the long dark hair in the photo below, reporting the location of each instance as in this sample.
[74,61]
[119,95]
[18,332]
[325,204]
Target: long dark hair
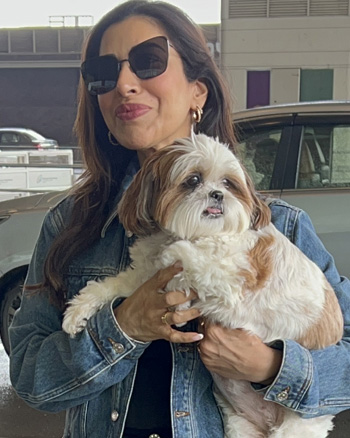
[106,163]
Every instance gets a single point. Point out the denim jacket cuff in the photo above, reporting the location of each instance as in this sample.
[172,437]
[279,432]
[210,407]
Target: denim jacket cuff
[115,304]
[294,377]
[112,342]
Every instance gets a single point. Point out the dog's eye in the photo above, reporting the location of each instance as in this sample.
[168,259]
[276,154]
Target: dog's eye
[193,181]
[227,183]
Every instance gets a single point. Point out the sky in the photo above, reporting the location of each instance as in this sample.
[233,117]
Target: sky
[34,13]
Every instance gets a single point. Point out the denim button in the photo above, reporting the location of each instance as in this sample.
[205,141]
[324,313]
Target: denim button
[179,414]
[114,415]
[118,348]
[154,435]
[283,395]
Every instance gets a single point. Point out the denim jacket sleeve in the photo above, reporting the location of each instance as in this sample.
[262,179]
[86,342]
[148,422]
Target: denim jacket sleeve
[49,369]
[312,382]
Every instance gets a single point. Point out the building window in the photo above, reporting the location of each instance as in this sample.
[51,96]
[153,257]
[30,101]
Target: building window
[258,88]
[286,8]
[328,7]
[316,84]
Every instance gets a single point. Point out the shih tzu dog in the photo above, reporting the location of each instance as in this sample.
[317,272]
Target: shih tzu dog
[193,201]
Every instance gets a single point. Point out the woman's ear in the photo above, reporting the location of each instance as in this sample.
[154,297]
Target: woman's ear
[200,94]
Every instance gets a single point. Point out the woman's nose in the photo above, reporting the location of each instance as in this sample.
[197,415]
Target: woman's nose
[128,82]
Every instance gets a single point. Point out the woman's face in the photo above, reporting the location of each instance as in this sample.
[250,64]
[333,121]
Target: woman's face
[158,110]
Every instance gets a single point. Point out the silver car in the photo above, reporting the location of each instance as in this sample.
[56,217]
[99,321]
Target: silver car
[301,154]
[298,152]
[22,138]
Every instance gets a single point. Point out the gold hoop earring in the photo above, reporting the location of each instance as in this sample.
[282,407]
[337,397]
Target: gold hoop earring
[110,138]
[197,114]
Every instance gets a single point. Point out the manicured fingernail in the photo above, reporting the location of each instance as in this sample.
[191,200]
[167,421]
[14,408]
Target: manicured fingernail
[198,337]
[178,264]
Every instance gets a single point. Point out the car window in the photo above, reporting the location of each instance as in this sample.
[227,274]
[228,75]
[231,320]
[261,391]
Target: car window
[258,151]
[25,139]
[32,135]
[9,138]
[324,159]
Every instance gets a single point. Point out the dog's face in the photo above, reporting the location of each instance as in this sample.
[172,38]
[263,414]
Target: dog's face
[195,188]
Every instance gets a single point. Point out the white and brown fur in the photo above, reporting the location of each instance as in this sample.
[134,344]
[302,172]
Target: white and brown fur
[247,274]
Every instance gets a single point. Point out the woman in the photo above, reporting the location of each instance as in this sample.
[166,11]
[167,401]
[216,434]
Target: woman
[148,79]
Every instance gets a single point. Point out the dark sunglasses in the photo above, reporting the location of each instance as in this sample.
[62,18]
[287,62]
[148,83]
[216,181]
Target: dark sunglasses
[147,60]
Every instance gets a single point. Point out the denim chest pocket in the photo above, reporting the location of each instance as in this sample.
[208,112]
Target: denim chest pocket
[107,257]
[77,279]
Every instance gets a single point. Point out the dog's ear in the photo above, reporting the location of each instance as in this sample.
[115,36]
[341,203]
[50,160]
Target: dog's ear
[261,214]
[135,208]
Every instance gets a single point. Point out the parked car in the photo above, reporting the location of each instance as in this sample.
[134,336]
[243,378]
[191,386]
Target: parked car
[301,154]
[20,223]
[22,138]
[297,152]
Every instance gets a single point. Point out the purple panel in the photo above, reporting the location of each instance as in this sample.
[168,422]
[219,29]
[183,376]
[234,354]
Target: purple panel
[258,88]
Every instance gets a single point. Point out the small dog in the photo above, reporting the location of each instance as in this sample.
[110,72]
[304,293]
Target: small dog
[194,202]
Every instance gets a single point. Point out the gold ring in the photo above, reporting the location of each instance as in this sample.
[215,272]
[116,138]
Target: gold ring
[198,348]
[163,318]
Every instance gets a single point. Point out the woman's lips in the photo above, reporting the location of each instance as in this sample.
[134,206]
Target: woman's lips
[131,111]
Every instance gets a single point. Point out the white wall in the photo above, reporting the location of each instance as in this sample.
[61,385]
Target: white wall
[284,46]
[285,85]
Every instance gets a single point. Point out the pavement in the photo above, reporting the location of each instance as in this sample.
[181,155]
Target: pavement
[17,420]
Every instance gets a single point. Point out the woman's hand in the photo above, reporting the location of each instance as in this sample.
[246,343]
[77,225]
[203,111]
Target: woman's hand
[235,354]
[140,315]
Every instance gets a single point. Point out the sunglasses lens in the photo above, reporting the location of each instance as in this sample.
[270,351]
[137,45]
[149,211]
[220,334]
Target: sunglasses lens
[100,74]
[150,58]
[147,60]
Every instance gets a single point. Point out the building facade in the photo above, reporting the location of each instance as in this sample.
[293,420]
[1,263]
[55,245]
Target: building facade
[279,51]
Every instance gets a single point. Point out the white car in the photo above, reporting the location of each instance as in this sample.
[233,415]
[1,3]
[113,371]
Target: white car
[20,223]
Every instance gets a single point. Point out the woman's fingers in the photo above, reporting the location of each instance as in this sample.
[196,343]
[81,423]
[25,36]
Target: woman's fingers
[161,278]
[232,353]
[176,298]
[181,316]
[184,337]
[147,315]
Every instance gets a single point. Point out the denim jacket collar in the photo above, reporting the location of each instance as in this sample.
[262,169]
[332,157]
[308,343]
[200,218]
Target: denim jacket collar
[131,171]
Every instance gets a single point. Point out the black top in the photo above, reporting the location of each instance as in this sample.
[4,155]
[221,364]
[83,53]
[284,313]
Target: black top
[149,408]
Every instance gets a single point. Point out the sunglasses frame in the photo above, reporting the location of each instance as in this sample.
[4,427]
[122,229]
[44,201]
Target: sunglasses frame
[107,85]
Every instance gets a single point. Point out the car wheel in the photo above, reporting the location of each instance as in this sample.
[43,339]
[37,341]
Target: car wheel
[10,303]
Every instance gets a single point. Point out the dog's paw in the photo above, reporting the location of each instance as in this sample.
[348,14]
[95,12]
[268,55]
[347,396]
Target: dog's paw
[82,307]
[73,322]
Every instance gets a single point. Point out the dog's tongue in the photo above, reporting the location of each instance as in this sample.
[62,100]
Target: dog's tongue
[212,210]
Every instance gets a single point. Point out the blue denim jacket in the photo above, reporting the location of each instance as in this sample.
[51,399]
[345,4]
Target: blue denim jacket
[92,375]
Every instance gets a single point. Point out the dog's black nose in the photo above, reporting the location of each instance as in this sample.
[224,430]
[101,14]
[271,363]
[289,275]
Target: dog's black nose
[216,194]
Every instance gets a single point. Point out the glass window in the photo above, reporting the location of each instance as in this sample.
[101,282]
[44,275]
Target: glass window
[324,159]
[9,138]
[316,84]
[258,152]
